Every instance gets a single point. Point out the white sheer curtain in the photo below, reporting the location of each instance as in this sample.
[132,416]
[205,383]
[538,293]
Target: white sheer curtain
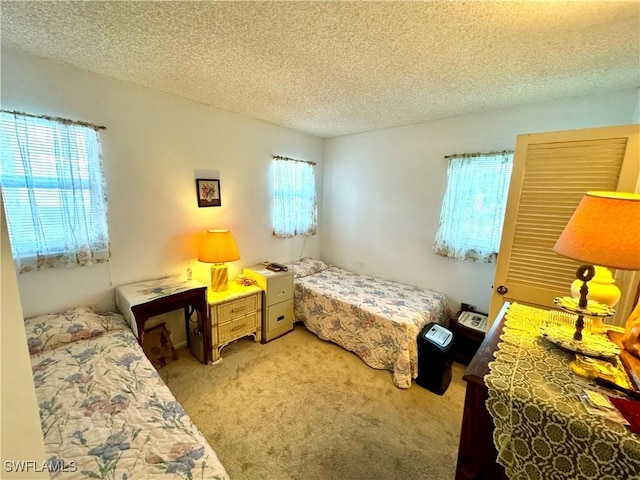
[473,207]
[54,193]
[294,198]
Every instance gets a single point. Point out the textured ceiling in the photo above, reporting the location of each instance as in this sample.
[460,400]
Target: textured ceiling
[334,68]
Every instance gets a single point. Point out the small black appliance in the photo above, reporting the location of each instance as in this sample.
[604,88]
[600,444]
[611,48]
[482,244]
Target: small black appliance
[435,352]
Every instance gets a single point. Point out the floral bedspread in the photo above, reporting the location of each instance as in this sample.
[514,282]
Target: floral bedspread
[378,320]
[104,410]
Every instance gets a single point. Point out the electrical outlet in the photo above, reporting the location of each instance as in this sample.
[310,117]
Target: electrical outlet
[468,307]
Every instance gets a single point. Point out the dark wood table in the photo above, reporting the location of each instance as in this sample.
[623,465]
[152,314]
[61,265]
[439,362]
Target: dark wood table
[476,452]
[466,342]
[163,298]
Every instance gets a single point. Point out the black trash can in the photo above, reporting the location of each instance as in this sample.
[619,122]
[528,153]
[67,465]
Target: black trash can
[435,356]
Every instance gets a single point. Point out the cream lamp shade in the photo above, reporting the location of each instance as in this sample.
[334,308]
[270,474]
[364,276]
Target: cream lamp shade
[218,247]
[604,231]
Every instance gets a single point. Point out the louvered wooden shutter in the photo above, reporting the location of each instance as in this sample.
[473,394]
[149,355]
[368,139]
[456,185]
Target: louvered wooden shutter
[551,173]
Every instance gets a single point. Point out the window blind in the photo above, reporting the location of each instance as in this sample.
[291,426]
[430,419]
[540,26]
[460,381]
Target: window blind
[53,191]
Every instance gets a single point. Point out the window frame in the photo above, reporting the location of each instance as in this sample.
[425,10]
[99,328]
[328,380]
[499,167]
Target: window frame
[293,199]
[54,192]
[476,192]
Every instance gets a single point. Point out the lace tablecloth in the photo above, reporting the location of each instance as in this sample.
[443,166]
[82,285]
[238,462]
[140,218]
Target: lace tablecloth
[542,429]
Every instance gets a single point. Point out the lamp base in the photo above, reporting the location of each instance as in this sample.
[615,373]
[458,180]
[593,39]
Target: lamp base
[602,287]
[219,278]
[598,326]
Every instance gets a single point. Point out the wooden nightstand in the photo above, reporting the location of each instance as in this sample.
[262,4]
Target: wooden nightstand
[278,300]
[235,313]
[466,342]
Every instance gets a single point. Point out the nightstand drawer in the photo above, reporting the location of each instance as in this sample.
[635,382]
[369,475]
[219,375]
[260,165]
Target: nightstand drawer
[237,308]
[235,313]
[279,320]
[238,328]
[279,289]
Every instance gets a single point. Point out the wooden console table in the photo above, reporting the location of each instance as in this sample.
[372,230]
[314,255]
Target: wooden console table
[140,301]
[476,452]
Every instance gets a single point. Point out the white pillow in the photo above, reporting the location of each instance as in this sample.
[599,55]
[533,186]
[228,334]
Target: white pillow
[306,266]
[46,332]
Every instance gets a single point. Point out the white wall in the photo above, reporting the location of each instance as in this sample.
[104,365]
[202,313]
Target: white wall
[383,190]
[21,437]
[153,146]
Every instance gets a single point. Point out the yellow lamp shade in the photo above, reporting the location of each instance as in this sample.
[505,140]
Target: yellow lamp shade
[218,247]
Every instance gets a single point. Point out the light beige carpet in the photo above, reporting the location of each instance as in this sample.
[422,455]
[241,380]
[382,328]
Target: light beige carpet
[305,409]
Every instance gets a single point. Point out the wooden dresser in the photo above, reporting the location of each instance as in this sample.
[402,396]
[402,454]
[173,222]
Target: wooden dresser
[477,453]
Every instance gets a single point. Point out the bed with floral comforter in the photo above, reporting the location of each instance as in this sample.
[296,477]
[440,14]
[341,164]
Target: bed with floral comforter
[378,320]
[104,410]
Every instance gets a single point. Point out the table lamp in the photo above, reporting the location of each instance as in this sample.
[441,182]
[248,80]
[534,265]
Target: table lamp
[604,231]
[218,247]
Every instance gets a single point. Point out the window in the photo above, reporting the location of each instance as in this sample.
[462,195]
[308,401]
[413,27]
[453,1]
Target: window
[294,197]
[473,206]
[53,192]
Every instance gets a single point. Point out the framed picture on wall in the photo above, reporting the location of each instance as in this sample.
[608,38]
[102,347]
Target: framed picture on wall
[208,192]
